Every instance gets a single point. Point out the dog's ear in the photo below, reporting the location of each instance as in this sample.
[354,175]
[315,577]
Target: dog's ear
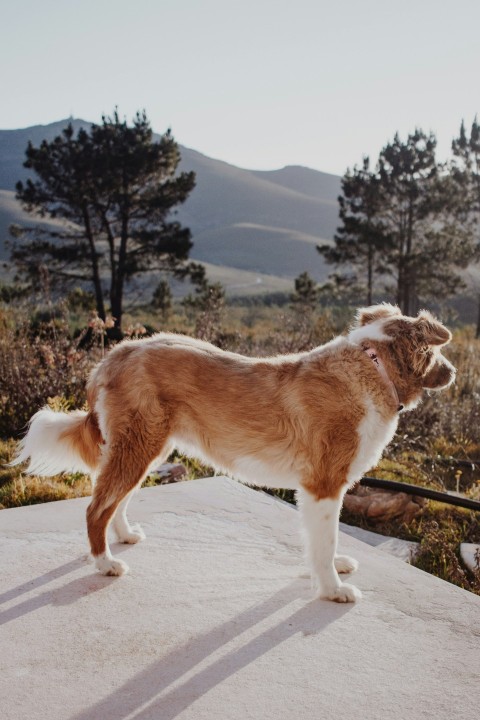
[432,332]
[441,375]
[376,312]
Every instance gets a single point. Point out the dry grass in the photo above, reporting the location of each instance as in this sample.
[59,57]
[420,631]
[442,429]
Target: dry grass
[17,489]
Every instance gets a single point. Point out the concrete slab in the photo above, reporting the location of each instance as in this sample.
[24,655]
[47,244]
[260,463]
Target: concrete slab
[213,621]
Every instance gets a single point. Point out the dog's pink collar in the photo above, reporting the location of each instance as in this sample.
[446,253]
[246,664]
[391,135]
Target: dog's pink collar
[372,354]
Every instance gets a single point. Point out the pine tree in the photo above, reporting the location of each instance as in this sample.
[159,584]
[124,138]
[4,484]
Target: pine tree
[360,239]
[306,292]
[465,170]
[431,241]
[206,305]
[114,188]
[405,221]
[162,299]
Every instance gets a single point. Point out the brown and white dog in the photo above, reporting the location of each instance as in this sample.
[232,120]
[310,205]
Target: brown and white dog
[315,422]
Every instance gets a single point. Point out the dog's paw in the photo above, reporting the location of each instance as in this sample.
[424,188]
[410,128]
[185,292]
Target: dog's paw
[135,535]
[345,564]
[110,566]
[344,593]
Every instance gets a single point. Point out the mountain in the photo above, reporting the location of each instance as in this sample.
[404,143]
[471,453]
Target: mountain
[304,180]
[250,225]
[13,144]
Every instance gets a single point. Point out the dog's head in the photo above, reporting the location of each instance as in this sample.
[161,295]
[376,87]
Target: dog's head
[410,348]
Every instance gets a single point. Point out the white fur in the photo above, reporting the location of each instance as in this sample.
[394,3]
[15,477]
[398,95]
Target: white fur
[48,455]
[108,565]
[247,469]
[101,414]
[320,521]
[126,533]
[345,564]
[372,331]
[374,435]
[188,446]
[255,472]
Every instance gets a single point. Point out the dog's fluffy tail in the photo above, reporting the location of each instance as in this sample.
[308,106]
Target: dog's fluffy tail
[58,442]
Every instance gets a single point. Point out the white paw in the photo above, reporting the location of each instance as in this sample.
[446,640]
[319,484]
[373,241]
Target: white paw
[345,564]
[134,535]
[343,593]
[110,566]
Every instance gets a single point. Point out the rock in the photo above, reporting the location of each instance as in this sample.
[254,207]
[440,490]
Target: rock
[469,552]
[169,473]
[380,505]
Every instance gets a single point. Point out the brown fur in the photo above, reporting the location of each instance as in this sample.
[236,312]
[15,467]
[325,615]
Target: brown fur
[85,439]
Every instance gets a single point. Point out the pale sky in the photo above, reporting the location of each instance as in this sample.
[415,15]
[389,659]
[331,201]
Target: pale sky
[257,83]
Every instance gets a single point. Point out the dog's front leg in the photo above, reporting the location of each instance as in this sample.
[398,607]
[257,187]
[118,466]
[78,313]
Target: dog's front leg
[320,520]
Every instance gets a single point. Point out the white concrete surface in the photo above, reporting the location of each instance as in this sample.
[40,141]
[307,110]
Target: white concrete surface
[213,621]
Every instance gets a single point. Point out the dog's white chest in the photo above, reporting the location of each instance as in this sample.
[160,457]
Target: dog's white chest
[374,434]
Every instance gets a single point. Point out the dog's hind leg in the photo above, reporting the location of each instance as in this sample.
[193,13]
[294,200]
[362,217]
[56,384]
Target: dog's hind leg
[320,519]
[107,496]
[129,457]
[125,532]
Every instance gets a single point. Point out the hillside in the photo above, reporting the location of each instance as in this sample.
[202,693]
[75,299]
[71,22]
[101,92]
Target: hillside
[13,144]
[241,220]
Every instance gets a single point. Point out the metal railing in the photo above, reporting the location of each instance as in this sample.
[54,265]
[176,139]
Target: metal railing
[421,492]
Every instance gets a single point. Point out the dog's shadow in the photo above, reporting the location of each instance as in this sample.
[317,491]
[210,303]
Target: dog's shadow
[147,696]
[63,595]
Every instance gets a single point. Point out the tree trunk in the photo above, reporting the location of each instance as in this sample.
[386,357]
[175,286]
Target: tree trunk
[116,297]
[97,282]
[99,296]
[477,333]
[401,282]
[408,278]
[117,311]
[370,274]
[118,285]
[406,290]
